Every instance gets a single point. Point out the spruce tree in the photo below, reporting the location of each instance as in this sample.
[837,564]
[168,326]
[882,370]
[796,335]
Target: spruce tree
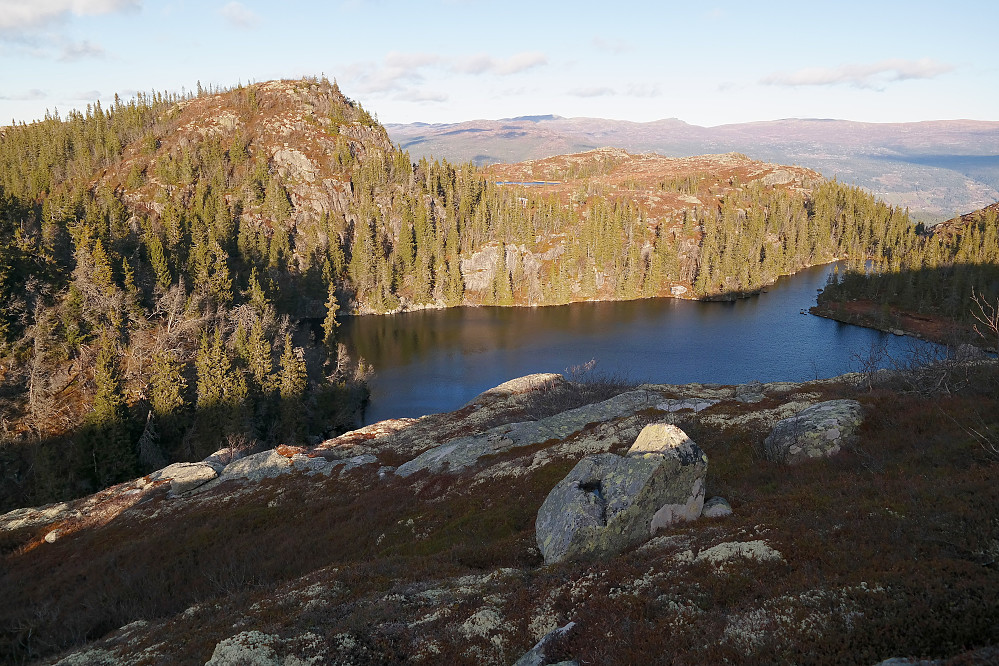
[292,385]
[166,384]
[330,323]
[107,435]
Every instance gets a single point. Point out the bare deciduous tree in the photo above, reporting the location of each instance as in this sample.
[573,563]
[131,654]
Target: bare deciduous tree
[986,315]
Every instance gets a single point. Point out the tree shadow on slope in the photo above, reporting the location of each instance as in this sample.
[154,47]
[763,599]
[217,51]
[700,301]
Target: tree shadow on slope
[97,455]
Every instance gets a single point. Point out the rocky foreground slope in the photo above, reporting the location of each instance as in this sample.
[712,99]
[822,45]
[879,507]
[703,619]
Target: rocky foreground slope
[858,524]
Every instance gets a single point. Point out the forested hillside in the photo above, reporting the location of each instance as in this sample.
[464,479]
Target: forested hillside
[928,284]
[158,256]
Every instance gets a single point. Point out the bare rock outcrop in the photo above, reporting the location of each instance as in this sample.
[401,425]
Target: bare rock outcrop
[818,431]
[610,502]
[537,655]
[249,648]
[463,452]
[184,476]
[750,393]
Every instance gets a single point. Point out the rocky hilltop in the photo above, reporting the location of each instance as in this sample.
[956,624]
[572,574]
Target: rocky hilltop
[840,520]
[933,168]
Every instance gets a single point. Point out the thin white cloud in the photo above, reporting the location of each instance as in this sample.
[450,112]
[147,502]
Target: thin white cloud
[616,46]
[28,96]
[239,15]
[873,76]
[410,61]
[478,64]
[717,14]
[648,91]
[399,72]
[73,51]
[486,64]
[592,92]
[416,95]
[28,14]
[87,96]
[49,45]
[374,78]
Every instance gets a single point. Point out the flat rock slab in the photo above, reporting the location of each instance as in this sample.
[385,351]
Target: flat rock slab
[681,404]
[463,452]
[33,517]
[610,502]
[815,432]
[266,465]
[185,476]
[271,464]
[734,550]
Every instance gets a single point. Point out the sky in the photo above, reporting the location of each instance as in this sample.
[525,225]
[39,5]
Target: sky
[440,61]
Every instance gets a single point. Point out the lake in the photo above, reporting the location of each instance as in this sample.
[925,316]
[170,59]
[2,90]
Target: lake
[437,360]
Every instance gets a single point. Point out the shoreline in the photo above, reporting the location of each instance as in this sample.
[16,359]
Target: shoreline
[728,297]
[936,329]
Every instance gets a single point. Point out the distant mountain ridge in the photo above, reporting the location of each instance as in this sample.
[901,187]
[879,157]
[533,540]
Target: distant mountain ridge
[937,168]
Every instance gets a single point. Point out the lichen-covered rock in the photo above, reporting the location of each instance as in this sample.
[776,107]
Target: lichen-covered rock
[733,550]
[751,392]
[463,452]
[358,461]
[518,386]
[249,648]
[482,624]
[609,502]
[185,476]
[681,404]
[265,465]
[716,507]
[815,432]
[35,516]
[537,655]
[90,657]
[225,456]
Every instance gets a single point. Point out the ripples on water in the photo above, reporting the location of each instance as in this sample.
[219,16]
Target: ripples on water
[436,360]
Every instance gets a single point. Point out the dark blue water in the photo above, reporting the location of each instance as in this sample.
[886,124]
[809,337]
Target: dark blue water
[435,361]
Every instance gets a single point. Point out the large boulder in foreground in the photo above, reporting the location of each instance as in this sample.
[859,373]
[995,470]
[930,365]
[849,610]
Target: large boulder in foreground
[818,431]
[610,502]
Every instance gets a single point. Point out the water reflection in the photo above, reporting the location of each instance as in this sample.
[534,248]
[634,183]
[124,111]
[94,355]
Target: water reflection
[436,360]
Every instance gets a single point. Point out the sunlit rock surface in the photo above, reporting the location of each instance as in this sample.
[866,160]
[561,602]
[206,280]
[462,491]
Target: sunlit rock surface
[463,452]
[609,502]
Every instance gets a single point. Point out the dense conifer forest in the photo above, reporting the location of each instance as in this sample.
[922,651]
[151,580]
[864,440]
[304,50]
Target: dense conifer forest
[162,262]
[934,275]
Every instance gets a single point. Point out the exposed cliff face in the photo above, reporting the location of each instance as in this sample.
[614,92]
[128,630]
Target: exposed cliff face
[353,551]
